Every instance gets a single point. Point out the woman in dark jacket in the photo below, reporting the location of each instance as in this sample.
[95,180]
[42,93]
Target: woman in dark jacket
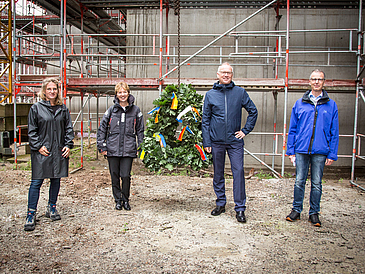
[116,140]
[50,139]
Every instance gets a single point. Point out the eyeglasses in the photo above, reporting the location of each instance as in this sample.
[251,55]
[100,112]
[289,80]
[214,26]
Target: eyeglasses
[317,79]
[226,72]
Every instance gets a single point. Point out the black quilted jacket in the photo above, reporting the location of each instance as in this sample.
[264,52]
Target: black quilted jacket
[119,130]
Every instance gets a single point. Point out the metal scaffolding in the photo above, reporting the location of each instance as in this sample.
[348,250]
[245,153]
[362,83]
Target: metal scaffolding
[92,60]
[359,91]
[6,60]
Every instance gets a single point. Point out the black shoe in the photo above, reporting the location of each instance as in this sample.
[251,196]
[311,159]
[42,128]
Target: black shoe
[126,206]
[314,219]
[218,210]
[240,216]
[118,206]
[293,216]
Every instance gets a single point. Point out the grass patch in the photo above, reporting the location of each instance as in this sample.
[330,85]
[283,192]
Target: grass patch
[263,175]
[24,166]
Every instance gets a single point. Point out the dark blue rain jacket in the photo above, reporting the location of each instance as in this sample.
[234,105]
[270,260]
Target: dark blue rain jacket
[222,114]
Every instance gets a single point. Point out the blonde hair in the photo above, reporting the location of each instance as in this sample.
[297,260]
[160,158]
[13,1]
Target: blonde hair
[42,93]
[122,85]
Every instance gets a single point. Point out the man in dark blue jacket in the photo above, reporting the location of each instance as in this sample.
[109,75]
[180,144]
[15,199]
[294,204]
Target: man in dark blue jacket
[312,141]
[221,129]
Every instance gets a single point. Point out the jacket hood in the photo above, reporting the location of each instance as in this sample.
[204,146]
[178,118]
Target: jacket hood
[324,98]
[219,86]
[46,103]
[131,100]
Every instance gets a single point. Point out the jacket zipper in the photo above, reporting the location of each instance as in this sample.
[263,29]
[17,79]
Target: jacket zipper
[123,126]
[225,112]
[134,127]
[125,129]
[314,128]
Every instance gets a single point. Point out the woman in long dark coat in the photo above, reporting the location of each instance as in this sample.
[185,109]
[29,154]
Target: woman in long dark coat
[50,139]
[121,125]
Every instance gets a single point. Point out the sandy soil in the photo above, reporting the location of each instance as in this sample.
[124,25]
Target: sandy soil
[170,229]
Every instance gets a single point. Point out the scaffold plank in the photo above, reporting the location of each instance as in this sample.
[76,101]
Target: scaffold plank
[328,83]
[261,84]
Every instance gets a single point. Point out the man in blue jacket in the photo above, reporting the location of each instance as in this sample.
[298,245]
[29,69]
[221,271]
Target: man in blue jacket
[312,141]
[221,130]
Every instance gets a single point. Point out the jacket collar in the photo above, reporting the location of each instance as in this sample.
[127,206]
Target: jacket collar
[219,86]
[45,103]
[48,105]
[324,99]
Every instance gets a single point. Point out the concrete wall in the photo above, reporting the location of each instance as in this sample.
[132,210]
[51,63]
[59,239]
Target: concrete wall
[336,66]
[219,21]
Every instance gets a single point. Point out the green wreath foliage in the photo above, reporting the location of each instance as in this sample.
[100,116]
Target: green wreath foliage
[176,153]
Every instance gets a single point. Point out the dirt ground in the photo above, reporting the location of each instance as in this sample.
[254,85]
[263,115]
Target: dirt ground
[170,229]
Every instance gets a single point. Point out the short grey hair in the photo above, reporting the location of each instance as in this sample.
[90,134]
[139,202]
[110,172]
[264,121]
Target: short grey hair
[224,64]
[318,70]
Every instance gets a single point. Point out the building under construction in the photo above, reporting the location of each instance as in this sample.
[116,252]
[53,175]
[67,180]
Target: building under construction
[272,45]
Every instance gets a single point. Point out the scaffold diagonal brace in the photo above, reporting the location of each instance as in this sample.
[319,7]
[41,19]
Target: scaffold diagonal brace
[276,174]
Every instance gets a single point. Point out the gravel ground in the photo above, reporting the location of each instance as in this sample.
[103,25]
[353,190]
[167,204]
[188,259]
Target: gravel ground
[170,229]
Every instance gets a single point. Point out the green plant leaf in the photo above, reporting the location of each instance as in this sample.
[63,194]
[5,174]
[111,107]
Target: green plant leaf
[176,153]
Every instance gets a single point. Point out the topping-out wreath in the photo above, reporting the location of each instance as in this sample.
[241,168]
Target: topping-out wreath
[173,137]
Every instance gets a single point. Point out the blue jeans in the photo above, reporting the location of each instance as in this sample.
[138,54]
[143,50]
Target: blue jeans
[235,154]
[316,162]
[34,189]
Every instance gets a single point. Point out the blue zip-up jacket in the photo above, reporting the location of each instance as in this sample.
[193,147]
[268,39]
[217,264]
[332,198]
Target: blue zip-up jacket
[314,129]
[222,114]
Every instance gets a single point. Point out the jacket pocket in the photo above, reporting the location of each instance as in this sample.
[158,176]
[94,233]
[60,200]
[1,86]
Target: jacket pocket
[112,143]
[327,141]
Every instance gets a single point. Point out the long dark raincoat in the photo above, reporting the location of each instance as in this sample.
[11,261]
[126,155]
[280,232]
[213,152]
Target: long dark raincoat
[54,131]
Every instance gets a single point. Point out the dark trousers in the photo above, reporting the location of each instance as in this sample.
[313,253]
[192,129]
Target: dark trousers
[235,154]
[120,168]
[34,189]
